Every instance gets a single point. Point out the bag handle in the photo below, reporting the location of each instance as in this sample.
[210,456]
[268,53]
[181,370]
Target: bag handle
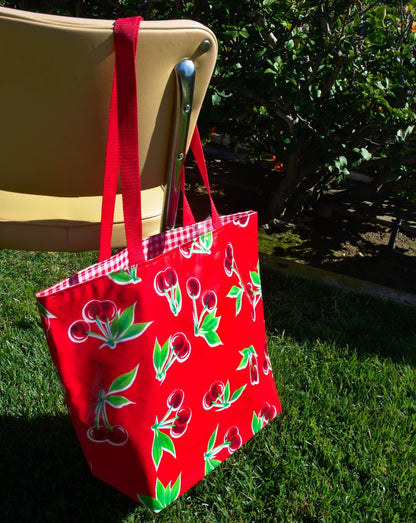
[122,145]
[125,41]
[122,150]
[198,152]
[110,178]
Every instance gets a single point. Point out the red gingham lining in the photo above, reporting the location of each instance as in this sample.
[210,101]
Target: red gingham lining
[153,246]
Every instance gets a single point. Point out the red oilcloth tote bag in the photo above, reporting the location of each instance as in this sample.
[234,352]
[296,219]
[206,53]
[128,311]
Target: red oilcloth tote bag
[161,348]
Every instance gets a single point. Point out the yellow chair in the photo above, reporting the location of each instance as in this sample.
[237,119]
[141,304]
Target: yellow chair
[55,86]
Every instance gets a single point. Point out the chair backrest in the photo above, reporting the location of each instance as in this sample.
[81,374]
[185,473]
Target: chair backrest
[55,88]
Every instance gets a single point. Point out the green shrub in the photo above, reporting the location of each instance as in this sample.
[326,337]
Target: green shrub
[326,87]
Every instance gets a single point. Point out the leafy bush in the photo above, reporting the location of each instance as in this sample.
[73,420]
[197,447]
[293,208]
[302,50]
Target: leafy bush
[326,87]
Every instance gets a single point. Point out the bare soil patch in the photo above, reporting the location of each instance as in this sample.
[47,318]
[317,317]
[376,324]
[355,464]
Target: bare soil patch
[345,237]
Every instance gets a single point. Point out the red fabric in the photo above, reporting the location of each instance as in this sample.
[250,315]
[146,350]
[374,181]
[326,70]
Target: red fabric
[164,362]
[188,217]
[123,145]
[112,163]
[198,153]
[125,40]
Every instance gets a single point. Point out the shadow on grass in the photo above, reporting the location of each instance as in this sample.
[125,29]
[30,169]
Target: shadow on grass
[310,310]
[45,478]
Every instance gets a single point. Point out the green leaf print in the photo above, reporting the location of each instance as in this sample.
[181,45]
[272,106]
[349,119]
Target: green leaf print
[126,319]
[255,277]
[135,330]
[174,493]
[118,401]
[160,355]
[115,325]
[256,424]
[238,303]
[237,393]
[151,503]
[206,241]
[164,495]
[157,452]
[178,300]
[112,399]
[227,393]
[234,292]
[161,443]
[212,439]
[247,355]
[121,277]
[210,322]
[125,277]
[212,338]
[123,382]
[211,464]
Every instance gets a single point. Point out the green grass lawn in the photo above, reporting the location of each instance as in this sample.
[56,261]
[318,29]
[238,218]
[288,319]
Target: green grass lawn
[344,448]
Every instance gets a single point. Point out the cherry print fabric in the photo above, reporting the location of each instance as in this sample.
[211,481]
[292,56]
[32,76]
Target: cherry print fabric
[165,366]
[164,361]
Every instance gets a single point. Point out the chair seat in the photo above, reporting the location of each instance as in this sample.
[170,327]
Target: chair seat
[69,224]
